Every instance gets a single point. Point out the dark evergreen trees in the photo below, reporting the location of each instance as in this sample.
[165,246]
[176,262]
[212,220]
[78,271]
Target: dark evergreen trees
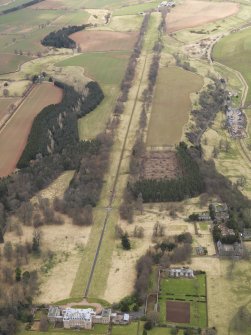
[60,38]
[125,242]
[188,185]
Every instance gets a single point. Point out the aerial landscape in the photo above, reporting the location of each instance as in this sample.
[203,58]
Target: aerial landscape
[125,167]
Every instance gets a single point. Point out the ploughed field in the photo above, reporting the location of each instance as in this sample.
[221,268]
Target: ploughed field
[178,311]
[171,105]
[234,51]
[13,136]
[5,104]
[104,40]
[192,13]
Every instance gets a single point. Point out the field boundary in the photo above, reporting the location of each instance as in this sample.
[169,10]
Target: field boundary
[109,207]
[20,103]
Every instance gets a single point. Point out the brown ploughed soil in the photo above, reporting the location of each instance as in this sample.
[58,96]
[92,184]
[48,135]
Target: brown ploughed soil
[192,13]
[177,311]
[104,40]
[14,134]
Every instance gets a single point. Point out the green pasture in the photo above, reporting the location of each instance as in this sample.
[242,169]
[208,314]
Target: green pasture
[10,62]
[105,67]
[234,51]
[136,9]
[24,29]
[94,123]
[171,105]
[27,19]
[10,4]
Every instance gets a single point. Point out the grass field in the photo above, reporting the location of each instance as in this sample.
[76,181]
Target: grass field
[107,68]
[104,67]
[187,290]
[10,62]
[24,29]
[171,105]
[235,52]
[136,9]
[12,142]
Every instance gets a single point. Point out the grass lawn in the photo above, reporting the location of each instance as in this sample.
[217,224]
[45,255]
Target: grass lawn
[181,286]
[160,331]
[98,329]
[203,225]
[189,290]
[171,105]
[235,51]
[131,329]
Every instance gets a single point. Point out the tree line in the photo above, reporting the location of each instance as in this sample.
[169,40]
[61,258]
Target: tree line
[211,100]
[131,67]
[24,5]
[165,252]
[61,39]
[189,184]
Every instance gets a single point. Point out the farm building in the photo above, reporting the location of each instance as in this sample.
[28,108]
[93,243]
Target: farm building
[55,314]
[230,250]
[236,122]
[180,273]
[220,211]
[201,251]
[167,4]
[204,216]
[225,231]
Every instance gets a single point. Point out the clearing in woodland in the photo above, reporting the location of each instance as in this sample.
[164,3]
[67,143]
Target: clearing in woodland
[13,136]
[234,51]
[195,13]
[104,40]
[171,104]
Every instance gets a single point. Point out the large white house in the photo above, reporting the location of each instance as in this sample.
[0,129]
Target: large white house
[84,318]
[78,318]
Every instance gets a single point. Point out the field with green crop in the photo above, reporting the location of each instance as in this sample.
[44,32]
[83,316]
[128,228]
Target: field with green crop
[234,51]
[107,68]
[171,105]
[188,290]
